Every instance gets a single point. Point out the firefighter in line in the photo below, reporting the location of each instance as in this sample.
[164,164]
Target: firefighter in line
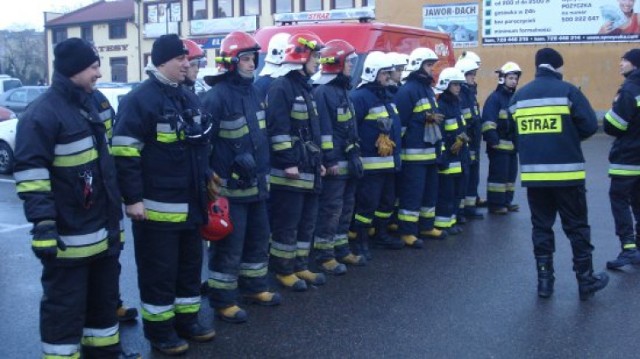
[341,158]
[500,133]
[418,187]
[67,179]
[400,62]
[552,118]
[240,156]
[161,149]
[272,61]
[623,122]
[455,151]
[196,61]
[473,119]
[379,130]
[295,136]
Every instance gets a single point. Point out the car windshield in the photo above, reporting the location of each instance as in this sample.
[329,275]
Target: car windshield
[11,84]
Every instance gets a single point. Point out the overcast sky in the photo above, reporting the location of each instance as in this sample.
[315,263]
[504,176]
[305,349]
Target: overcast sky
[28,14]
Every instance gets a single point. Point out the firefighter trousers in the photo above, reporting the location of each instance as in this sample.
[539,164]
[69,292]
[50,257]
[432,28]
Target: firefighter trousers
[293,221]
[169,265]
[448,202]
[624,195]
[375,200]
[78,307]
[337,202]
[571,203]
[239,262]
[503,171]
[418,195]
[471,193]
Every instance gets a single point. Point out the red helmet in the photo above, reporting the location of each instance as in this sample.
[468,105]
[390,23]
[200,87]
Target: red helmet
[334,55]
[299,46]
[195,51]
[219,224]
[234,44]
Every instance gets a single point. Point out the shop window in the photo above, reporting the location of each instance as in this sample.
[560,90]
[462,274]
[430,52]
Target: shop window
[198,9]
[280,6]
[311,5]
[223,8]
[342,4]
[250,7]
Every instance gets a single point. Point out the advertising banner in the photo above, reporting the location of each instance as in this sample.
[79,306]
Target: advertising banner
[460,21]
[536,21]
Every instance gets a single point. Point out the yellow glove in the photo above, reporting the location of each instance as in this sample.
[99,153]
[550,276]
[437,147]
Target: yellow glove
[385,145]
[455,148]
[213,187]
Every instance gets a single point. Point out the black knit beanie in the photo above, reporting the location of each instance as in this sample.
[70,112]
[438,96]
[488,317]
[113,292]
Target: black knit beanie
[633,56]
[73,55]
[167,47]
[549,56]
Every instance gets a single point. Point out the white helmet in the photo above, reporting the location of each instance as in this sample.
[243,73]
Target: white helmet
[275,53]
[508,68]
[470,55]
[375,62]
[420,55]
[399,60]
[466,65]
[448,76]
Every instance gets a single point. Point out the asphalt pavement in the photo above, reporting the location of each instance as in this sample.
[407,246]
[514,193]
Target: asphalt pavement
[469,296]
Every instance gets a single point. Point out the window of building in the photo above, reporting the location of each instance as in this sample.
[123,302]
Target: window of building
[118,69]
[279,6]
[341,4]
[58,35]
[87,33]
[198,9]
[164,12]
[223,8]
[117,30]
[250,7]
[368,2]
[311,5]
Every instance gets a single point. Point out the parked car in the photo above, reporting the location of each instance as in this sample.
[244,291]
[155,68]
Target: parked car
[7,83]
[19,98]
[7,144]
[115,94]
[6,114]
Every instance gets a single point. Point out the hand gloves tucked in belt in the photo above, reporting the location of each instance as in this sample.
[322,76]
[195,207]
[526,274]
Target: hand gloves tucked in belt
[46,241]
[385,145]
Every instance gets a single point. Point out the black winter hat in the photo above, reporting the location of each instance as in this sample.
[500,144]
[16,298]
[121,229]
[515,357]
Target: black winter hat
[549,56]
[73,55]
[166,47]
[633,56]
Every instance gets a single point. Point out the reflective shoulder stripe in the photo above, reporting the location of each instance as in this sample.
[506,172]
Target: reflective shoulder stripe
[550,101]
[422,105]
[74,147]
[376,113]
[31,174]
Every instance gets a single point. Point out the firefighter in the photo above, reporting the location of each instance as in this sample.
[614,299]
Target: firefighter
[341,158]
[240,156]
[272,61]
[455,151]
[295,135]
[623,122]
[399,64]
[196,61]
[379,130]
[161,147]
[67,179]
[418,189]
[500,134]
[473,120]
[552,118]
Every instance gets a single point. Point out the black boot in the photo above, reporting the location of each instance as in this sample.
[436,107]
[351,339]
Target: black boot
[188,327]
[545,276]
[588,283]
[361,247]
[384,240]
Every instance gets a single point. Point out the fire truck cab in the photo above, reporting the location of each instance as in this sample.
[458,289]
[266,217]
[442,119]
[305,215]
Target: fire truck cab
[356,27]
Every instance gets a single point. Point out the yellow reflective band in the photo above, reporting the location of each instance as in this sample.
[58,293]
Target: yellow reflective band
[56,356]
[407,218]
[44,243]
[383,215]
[166,217]
[539,124]
[282,254]
[327,145]
[302,116]
[76,160]
[614,122]
[232,134]
[420,107]
[108,124]
[247,192]
[363,219]
[417,156]
[101,341]
[34,186]
[322,245]
[344,117]
[85,251]
[542,111]
[374,165]
[553,176]
[291,182]
[166,137]
[262,124]
[467,115]
[281,146]
[125,151]
[160,317]
[187,308]
[451,126]
[619,172]
[629,246]
[254,273]
[488,126]
[219,284]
